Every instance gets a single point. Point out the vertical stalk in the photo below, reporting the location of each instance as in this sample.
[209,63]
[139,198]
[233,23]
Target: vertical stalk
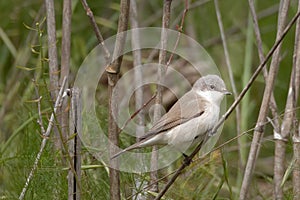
[296,170]
[137,61]
[113,74]
[63,116]
[159,88]
[53,60]
[52,49]
[288,119]
[232,82]
[259,129]
[296,135]
[74,177]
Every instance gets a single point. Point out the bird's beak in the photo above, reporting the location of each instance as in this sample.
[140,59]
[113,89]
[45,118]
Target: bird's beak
[226,92]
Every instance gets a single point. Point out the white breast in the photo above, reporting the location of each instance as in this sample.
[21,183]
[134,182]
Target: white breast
[182,137]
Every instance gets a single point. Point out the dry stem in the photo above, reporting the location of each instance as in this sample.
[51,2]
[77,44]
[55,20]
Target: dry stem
[235,103]
[45,138]
[113,73]
[90,14]
[258,133]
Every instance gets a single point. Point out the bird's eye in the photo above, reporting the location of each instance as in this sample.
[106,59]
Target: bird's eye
[212,87]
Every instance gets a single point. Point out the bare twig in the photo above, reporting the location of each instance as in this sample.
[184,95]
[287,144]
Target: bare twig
[273,104]
[45,138]
[208,153]
[258,133]
[295,88]
[138,79]
[90,14]
[74,180]
[159,88]
[180,30]
[288,119]
[229,66]
[137,112]
[296,169]
[113,70]
[236,102]
[114,67]
[40,120]
[137,61]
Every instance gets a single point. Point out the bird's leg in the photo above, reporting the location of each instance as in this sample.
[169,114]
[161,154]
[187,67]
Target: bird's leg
[186,160]
[184,155]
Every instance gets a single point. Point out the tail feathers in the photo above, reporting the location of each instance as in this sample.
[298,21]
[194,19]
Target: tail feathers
[134,146]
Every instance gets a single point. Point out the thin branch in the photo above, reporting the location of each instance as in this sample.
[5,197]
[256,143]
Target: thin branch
[113,70]
[258,133]
[273,104]
[229,66]
[40,120]
[137,61]
[294,88]
[90,14]
[137,112]
[74,177]
[227,59]
[45,138]
[213,150]
[257,71]
[180,30]
[114,67]
[236,102]
[138,79]
[296,169]
[159,88]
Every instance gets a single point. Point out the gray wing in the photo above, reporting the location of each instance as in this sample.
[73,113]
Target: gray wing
[192,105]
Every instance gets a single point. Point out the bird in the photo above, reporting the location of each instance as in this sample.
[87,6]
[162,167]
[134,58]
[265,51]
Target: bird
[189,120]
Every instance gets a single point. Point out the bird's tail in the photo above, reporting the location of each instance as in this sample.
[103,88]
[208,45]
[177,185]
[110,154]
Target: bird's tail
[134,146]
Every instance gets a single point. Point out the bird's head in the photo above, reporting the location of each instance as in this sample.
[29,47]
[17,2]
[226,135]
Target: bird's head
[211,87]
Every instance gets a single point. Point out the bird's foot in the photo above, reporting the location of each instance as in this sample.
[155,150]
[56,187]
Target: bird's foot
[187,160]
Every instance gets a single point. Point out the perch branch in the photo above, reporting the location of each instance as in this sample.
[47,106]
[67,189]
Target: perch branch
[235,103]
